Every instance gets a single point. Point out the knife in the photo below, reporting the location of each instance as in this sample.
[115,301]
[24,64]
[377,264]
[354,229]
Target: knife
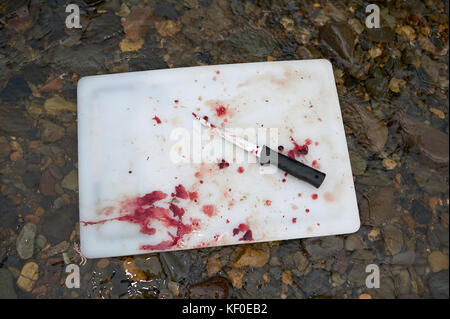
[267,155]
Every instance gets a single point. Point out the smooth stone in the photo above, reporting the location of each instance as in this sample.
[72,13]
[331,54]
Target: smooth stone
[7,290]
[316,283]
[420,214]
[319,248]
[438,285]
[393,239]
[213,288]
[25,241]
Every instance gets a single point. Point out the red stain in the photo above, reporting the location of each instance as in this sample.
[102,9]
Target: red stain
[284,180]
[217,72]
[243,228]
[240,170]
[205,118]
[209,210]
[158,121]
[201,182]
[193,196]
[197,174]
[307,210]
[315,164]
[281,148]
[299,194]
[180,192]
[314,196]
[228,221]
[176,101]
[142,211]
[294,220]
[214,78]
[223,164]
[298,149]
[268,202]
[221,110]
[316,143]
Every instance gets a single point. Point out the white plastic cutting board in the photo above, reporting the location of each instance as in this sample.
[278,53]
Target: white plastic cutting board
[124,154]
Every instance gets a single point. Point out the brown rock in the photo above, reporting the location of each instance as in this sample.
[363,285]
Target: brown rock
[47,184]
[168,28]
[50,132]
[393,239]
[53,85]
[137,23]
[381,205]
[252,257]
[213,265]
[103,263]
[286,277]
[28,276]
[433,143]
[214,288]
[132,271]
[367,129]
[438,261]
[56,105]
[236,275]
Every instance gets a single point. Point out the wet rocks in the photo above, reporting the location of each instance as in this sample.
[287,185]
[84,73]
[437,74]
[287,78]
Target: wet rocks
[367,129]
[381,205]
[377,86]
[405,258]
[132,271]
[13,121]
[28,276]
[31,179]
[56,105]
[393,239]
[339,38]
[51,132]
[319,248]
[213,265]
[438,284]
[433,143]
[420,214]
[7,290]
[213,288]
[316,283]
[150,265]
[250,44]
[438,261]
[58,224]
[236,275]
[25,241]
[252,257]
[5,149]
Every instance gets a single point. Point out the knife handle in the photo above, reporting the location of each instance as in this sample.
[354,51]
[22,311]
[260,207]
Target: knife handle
[293,167]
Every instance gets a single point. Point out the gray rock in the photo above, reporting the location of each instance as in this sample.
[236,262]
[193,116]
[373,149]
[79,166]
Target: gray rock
[442,233]
[319,248]
[50,132]
[150,265]
[430,182]
[70,181]
[7,290]
[25,241]
[439,284]
[354,242]
[176,264]
[316,283]
[300,261]
[402,282]
[41,241]
[393,239]
[405,258]
[377,86]
[358,275]
[250,44]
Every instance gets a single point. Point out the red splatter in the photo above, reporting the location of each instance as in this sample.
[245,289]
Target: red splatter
[294,220]
[221,110]
[197,174]
[284,180]
[209,210]
[243,228]
[285,174]
[180,192]
[298,149]
[228,221]
[205,118]
[217,72]
[177,211]
[201,182]
[268,202]
[299,194]
[142,211]
[307,210]
[193,195]
[281,148]
[314,196]
[316,143]
[315,164]
[223,164]
[176,101]
[240,170]
[158,121]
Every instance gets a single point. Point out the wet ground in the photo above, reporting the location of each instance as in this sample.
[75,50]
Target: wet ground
[393,88]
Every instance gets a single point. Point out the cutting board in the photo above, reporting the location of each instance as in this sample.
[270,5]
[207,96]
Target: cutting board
[141,192]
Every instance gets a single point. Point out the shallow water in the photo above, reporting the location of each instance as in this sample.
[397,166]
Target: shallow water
[393,88]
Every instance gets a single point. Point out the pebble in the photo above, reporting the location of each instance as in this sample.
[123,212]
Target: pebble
[213,265]
[56,105]
[252,257]
[358,163]
[25,241]
[28,276]
[393,239]
[354,242]
[103,263]
[149,264]
[132,271]
[50,132]
[420,213]
[300,260]
[176,264]
[339,37]
[316,283]
[438,261]
[70,181]
[320,248]
[136,24]
[236,275]
[5,148]
[337,279]
[438,284]
[404,258]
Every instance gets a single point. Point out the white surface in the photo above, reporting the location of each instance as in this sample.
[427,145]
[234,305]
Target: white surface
[116,134]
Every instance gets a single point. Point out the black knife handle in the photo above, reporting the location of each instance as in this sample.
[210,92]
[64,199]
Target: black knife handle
[293,167]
